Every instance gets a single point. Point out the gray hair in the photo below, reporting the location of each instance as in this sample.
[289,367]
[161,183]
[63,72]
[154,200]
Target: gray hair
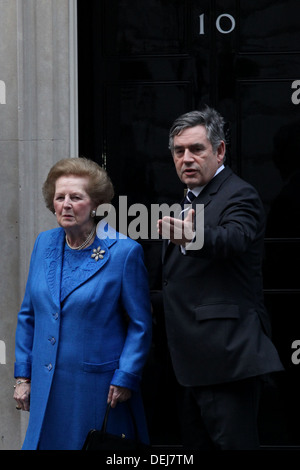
[207,117]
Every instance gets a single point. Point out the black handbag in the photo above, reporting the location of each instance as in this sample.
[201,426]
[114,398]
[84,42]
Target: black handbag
[102,440]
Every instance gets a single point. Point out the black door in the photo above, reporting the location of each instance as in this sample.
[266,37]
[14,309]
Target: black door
[143,63]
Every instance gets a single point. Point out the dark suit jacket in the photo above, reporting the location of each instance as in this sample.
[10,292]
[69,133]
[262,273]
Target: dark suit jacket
[217,327]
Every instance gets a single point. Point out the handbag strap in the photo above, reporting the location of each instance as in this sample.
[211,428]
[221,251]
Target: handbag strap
[108,408]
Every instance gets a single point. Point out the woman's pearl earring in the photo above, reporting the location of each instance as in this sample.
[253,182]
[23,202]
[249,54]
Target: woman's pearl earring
[93,214]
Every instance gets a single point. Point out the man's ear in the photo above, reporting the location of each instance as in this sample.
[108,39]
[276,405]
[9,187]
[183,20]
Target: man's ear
[221,151]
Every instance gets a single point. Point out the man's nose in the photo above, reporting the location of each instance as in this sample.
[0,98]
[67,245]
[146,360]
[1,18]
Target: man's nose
[188,156]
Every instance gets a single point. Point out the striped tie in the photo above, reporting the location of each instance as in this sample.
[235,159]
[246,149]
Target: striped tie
[189,197]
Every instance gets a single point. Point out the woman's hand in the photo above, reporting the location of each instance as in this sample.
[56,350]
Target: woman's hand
[22,396]
[117,394]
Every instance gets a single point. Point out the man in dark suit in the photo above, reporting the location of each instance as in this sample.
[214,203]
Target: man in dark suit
[217,327]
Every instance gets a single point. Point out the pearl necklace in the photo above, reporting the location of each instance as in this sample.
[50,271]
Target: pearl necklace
[85,243]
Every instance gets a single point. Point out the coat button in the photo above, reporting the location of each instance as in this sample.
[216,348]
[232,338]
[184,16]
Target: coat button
[52,340]
[165,282]
[49,367]
[55,315]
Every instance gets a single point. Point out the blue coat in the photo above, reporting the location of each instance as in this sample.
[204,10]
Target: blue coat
[74,348]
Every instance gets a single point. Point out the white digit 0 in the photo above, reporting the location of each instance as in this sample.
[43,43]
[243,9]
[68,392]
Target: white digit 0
[225,15]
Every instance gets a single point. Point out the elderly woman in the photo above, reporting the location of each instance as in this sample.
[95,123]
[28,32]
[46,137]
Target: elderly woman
[84,327]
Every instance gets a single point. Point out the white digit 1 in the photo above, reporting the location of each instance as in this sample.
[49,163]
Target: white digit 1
[201,24]
[219,20]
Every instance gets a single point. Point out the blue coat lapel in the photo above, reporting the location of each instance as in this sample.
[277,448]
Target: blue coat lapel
[54,260]
[53,263]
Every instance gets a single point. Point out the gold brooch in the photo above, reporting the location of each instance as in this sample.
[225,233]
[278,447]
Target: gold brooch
[97,253]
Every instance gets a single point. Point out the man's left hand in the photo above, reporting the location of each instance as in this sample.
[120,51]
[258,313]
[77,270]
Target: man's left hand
[178,231]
